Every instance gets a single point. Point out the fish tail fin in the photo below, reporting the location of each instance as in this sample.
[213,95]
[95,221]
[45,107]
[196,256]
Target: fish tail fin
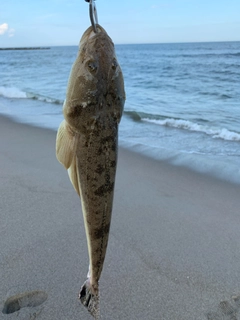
[89,297]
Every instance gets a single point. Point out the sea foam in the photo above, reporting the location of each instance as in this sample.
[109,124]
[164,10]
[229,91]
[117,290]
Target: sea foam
[16,93]
[12,92]
[221,133]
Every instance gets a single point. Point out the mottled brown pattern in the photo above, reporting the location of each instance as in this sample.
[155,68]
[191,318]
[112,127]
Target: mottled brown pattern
[98,233]
[75,111]
[99,151]
[106,188]
[92,110]
[100,169]
[113,164]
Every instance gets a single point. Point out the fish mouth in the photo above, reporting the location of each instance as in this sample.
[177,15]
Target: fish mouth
[99,29]
[89,33]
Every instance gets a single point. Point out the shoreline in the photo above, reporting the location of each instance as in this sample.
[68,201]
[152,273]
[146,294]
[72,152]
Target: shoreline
[173,231]
[172,161]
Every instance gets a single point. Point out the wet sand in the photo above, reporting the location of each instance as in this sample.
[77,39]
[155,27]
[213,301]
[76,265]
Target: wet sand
[174,247]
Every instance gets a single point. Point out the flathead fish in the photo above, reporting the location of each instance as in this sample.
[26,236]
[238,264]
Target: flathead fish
[87,145]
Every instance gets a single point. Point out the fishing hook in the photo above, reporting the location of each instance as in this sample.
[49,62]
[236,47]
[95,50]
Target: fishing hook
[93,14]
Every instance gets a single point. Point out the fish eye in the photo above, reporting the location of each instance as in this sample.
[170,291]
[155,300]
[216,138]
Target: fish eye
[92,66]
[114,64]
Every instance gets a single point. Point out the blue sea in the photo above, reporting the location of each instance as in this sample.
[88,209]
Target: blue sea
[183,100]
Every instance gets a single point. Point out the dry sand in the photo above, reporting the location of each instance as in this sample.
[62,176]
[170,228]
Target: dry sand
[174,248]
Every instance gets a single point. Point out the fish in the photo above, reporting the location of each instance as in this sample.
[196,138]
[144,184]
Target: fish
[87,145]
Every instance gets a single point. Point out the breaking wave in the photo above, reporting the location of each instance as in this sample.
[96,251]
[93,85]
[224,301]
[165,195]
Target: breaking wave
[221,133]
[15,93]
[200,125]
[12,92]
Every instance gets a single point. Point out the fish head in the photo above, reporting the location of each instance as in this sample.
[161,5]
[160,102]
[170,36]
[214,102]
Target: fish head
[96,82]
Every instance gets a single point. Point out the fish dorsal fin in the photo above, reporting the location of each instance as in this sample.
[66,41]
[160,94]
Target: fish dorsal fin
[65,144]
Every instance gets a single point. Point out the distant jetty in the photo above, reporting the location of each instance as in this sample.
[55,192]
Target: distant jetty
[26,48]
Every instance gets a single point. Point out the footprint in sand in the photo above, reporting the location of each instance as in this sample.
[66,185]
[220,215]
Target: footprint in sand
[227,310]
[22,300]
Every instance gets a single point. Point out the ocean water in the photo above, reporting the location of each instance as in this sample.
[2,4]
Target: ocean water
[183,100]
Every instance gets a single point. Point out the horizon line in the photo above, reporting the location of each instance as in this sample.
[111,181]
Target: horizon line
[142,43]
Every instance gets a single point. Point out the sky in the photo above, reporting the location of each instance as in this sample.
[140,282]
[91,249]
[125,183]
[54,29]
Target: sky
[62,22]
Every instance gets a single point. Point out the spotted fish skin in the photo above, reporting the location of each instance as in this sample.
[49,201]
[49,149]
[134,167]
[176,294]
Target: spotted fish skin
[87,145]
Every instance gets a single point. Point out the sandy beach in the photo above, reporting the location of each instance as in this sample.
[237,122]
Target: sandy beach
[173,251]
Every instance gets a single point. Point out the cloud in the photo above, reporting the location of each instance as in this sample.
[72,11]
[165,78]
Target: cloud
[3,28]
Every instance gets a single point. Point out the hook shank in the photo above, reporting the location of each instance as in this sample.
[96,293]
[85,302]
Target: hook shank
[93,14]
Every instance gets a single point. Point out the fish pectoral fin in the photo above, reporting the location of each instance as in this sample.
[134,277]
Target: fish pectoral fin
[66,152]
[73,175]
[65,144]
